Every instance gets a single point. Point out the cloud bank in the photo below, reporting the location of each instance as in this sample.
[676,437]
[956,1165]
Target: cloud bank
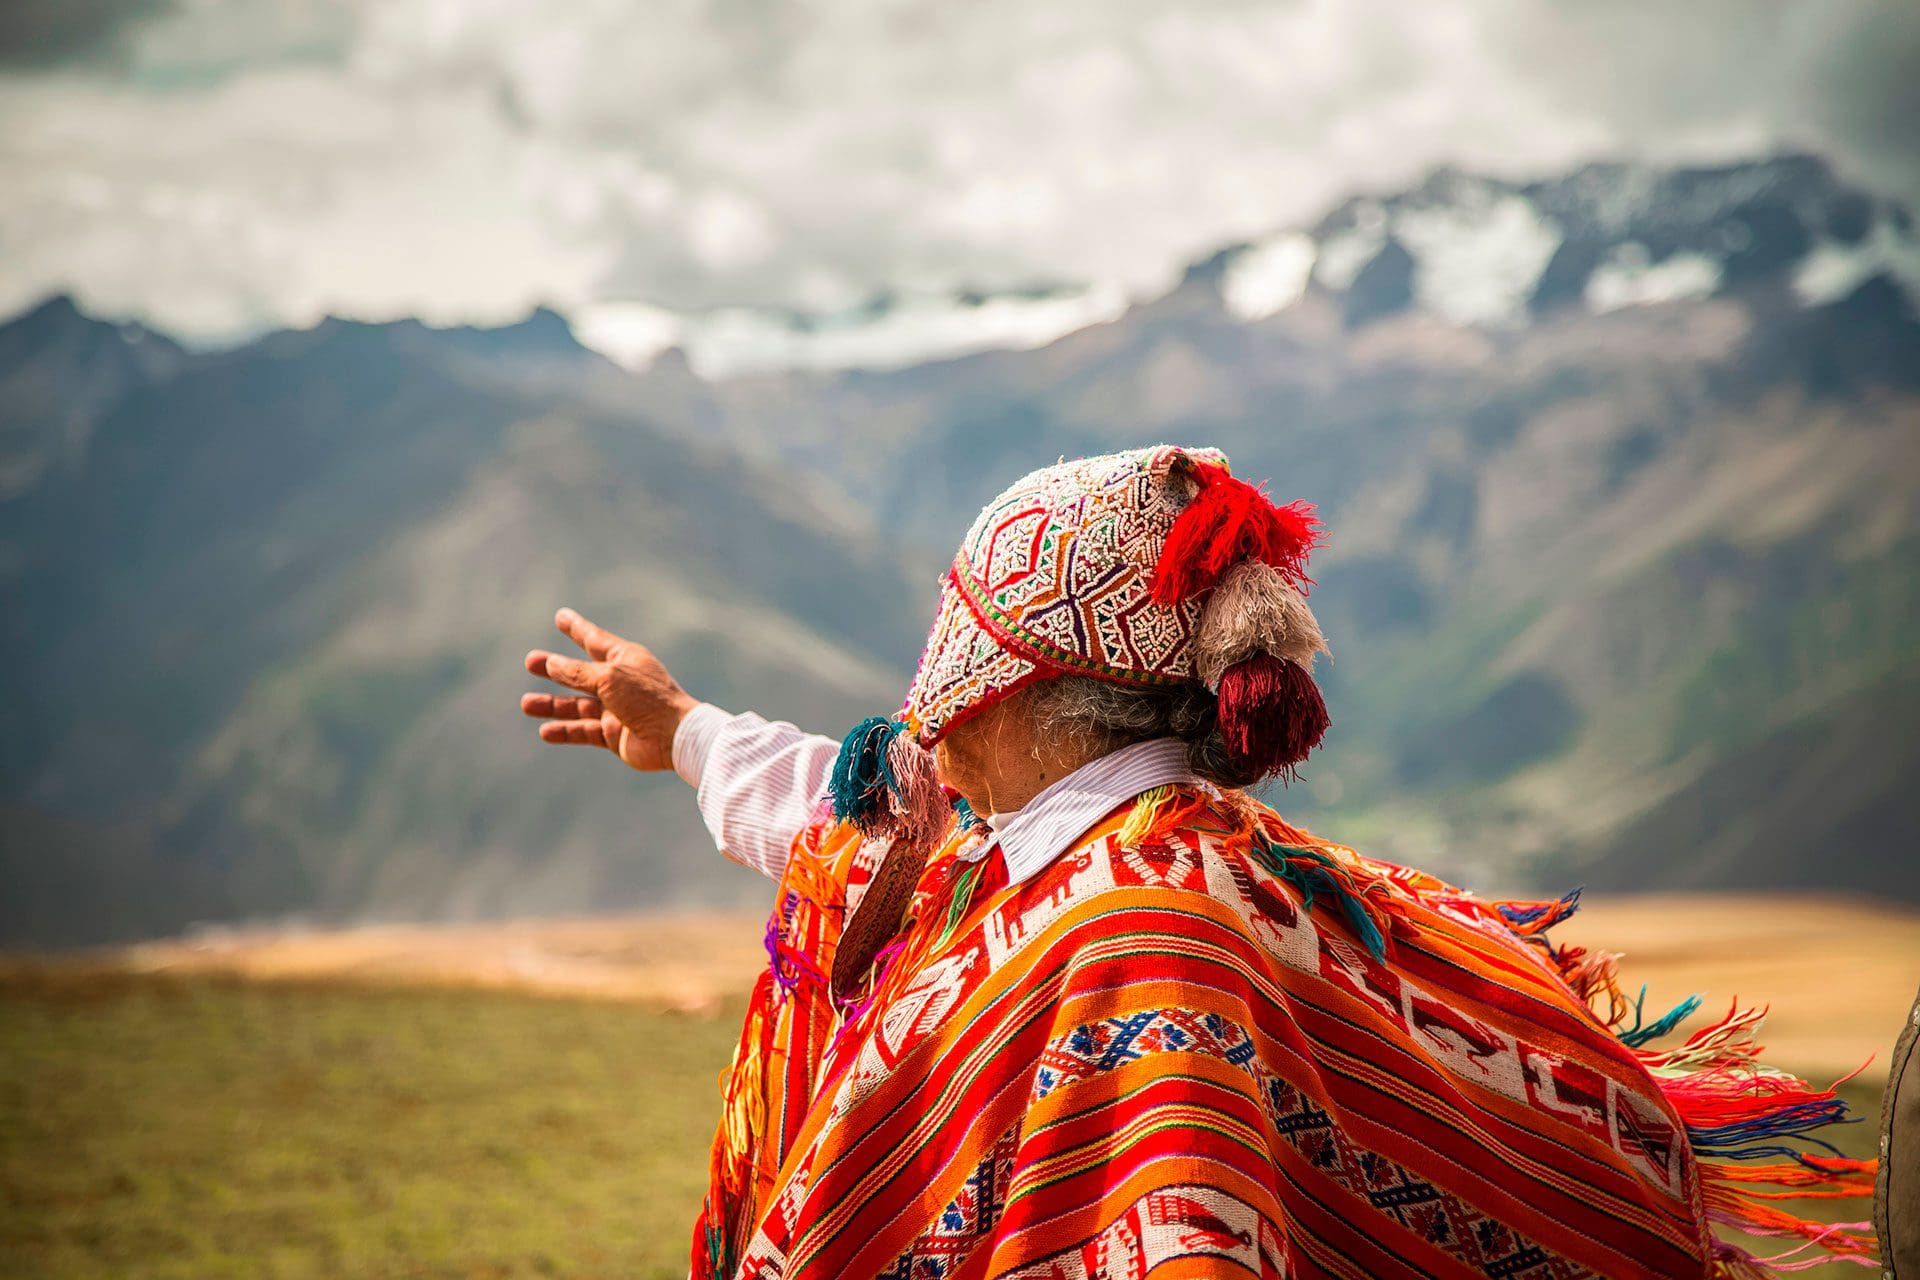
[218,167]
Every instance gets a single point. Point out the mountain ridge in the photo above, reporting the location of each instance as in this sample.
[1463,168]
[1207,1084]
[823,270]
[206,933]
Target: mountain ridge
[317,562]
[1594,572]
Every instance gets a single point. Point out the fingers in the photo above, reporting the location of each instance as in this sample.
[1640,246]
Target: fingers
[597,641]
[547,706]
[571,672]
[582,733]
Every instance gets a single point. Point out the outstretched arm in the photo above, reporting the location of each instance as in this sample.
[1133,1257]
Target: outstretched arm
[758,782]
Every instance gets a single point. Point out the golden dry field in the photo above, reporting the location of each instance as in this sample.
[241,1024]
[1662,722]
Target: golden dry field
[535,1098]
[1837,974]
[686,962]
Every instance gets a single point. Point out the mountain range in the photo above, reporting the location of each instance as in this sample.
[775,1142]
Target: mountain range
[1619,471]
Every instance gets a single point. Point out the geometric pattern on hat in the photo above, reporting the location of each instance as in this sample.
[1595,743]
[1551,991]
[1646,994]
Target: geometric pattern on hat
[1054,578]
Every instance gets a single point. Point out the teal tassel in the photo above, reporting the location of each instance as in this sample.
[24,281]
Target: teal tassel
[863,785]
[1314,872]
[719,1252]
[1636,1035]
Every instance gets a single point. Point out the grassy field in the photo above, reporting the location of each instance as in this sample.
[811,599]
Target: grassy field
[204,1127]
[536,1098]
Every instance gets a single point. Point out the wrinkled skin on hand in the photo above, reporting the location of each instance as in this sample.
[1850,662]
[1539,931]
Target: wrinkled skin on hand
[627,703]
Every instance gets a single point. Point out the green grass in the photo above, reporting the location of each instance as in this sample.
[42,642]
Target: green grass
[160,1128]
[156,1128]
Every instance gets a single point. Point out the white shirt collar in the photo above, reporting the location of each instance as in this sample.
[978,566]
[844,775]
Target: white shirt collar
[1031,837]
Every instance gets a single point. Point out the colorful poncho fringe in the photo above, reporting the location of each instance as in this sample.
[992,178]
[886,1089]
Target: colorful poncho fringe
[1204,1042]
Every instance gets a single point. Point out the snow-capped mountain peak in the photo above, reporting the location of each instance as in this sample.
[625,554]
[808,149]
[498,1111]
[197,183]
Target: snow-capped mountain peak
[1488,253]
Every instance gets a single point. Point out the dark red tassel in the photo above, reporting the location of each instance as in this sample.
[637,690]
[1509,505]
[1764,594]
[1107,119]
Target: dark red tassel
[1271,713]
[1229,521]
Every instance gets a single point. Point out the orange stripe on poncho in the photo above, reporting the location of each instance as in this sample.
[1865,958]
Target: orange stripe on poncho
[1217,1046]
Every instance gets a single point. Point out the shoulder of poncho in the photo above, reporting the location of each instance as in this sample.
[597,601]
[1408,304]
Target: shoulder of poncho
[1140,895]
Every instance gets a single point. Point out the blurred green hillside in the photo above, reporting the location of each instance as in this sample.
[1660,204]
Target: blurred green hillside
[1622,594]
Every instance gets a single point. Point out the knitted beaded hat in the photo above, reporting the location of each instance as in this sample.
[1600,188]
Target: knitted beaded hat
[1151,567]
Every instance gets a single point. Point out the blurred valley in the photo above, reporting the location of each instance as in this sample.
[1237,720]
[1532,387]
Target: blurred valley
[1621,473]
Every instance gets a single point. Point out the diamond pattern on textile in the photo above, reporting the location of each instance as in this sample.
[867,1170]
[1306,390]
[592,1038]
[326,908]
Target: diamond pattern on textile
[1170,861]
[1054,575]
[1467,1048]
[967,1222]
[1484,1243]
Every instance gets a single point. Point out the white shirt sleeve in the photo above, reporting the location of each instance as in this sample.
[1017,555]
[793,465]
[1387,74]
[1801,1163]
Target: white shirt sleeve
[758,783]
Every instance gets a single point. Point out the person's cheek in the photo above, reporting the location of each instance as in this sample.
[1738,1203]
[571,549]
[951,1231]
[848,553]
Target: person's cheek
[951,767]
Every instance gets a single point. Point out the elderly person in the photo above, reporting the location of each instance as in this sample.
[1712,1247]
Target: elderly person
[1049,994]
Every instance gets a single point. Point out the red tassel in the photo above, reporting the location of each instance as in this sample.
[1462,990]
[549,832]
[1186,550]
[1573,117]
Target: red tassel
[1271,713]
[1229,521]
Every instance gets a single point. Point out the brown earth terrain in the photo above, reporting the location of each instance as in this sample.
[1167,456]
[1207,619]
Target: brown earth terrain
[1837,974]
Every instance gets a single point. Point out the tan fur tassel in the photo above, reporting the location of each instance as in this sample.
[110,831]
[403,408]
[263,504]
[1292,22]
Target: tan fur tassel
[1254,610]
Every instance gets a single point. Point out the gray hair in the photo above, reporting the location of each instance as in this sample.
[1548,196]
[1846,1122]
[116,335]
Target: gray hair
[1101,715]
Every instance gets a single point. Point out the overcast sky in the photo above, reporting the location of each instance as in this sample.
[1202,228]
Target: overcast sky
[223,166]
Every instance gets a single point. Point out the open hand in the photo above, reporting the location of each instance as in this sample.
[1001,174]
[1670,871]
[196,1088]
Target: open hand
[629,704]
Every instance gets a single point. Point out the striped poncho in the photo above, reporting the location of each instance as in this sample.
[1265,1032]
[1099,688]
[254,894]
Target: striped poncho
[1203,1043]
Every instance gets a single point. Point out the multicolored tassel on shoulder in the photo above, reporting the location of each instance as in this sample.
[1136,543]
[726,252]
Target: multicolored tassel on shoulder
[1320,876]
[1741,1116]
